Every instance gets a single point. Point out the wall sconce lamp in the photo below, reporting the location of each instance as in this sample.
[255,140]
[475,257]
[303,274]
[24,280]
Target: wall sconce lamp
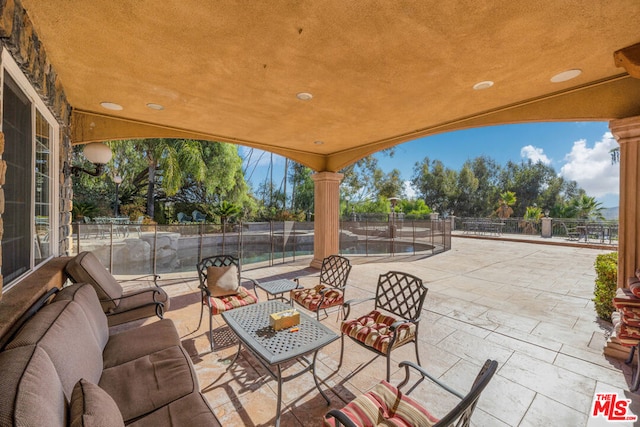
[97,153]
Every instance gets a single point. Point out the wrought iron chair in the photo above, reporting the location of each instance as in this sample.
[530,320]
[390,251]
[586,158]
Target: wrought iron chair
[330,292]
[571,233]
[386,401]
[399,294]
[220,277]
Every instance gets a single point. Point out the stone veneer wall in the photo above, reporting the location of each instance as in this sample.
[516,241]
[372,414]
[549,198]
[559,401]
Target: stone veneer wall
[18,36]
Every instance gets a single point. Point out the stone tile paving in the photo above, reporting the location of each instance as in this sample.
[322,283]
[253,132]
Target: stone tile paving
[527,306]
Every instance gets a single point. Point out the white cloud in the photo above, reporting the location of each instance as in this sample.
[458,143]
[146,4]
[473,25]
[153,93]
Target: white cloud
[591,168]
[534,154]
[409,190]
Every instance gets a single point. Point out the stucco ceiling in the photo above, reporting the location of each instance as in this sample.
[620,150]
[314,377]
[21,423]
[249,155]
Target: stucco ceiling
[380,73]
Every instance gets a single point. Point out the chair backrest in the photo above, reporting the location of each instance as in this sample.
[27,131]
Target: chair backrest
[86,268]
[216,261]
[460,416]
[401,294]
[335,271]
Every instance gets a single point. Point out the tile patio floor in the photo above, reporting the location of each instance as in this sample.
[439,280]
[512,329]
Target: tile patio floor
[528,306]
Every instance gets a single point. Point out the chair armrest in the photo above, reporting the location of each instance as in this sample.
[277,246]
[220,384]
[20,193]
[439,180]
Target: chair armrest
[407,364]
[255,283]
[341,419]
[297,279]
[132,294]
[357,301]
[397,323]
[354,301]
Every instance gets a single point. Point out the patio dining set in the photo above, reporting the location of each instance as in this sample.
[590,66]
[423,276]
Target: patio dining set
[275,333]
[120,227]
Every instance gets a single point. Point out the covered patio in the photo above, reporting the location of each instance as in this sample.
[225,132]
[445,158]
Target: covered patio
[326,84]
[528,306]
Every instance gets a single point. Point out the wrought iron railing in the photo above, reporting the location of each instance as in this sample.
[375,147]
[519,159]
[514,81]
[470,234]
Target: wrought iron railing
[569,228]
[141,249]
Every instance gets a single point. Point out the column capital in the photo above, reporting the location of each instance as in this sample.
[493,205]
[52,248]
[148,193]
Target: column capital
[625,129]
[327,176]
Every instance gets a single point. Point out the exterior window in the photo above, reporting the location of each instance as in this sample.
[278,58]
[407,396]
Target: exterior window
[29,217]
[16,125]
[42,243]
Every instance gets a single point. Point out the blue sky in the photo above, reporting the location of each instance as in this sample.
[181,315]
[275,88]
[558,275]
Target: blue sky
[577,150]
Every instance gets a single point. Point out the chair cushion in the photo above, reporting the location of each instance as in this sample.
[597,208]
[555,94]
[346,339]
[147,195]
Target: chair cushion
[229,302]
[92,406]
[223,281]
[310,298]
[384,405]
[85,267]
[373,330]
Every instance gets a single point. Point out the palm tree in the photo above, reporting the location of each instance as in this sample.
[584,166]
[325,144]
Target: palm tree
[531,219]
[226,210]
[507,199]
[177,159]
[585,207]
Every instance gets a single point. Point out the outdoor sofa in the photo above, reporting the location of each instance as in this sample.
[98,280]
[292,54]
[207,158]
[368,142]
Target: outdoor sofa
[62,368]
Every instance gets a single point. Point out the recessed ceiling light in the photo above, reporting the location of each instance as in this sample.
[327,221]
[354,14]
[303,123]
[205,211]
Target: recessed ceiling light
[111,106]
[483,85]
[318,142]
[304,96]
[566,75]
[155,106]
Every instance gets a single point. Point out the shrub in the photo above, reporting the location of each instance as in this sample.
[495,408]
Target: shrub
[606,266]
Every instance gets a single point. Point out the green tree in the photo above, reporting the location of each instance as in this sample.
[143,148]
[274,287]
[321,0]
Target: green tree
[465,192]
[482,201]
[303,188]
[390,185]
[435,184]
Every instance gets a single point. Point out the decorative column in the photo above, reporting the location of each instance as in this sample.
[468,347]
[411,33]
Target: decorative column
[627,133]
[326,239]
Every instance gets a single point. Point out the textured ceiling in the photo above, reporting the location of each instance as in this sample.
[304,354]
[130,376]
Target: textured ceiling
[381,73]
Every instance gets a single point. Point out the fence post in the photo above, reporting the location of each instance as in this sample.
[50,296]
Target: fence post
[111,248]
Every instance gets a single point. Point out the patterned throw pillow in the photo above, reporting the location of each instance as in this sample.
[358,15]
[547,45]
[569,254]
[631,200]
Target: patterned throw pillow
[635,289]
[91,406]
[223,281]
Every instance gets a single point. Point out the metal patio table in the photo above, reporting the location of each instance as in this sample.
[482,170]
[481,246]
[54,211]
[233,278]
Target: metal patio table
[273,348]
[277,287]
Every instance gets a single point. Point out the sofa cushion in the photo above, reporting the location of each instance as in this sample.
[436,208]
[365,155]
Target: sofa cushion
[32,393]
[150,382]
[60,329]
[138,342]
[85,267]
[85,295]
[192,410]
[91,406]
[223,281]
